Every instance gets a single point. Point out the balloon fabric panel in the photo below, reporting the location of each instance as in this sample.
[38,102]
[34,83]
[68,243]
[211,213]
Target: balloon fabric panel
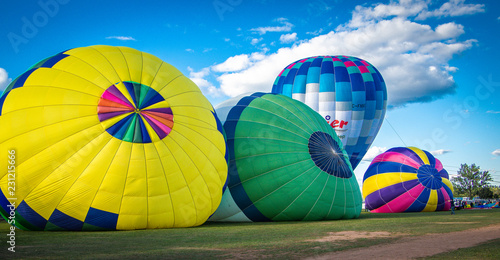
[110,138]
[406,179]
[348,92]
[276,172]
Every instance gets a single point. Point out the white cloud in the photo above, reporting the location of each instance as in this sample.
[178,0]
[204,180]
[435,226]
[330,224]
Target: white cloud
[453,8]
[450,68]
[285,27]
[189,50]
[412,8]
[317,32]
[449,30]
[363,15]
[4,80]
[254,41]
[288,38]
[238,62]
[413,57]
[492,112]
[235,63]
[440,152]
[496,152]
[373,152]
[205,86]
[121,38]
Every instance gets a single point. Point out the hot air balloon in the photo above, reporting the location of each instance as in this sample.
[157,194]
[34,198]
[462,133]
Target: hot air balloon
[109,138]
[406,179]
[348,92]
[286,163]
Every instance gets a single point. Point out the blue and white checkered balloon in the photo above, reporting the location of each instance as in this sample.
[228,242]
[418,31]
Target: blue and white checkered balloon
[347,91]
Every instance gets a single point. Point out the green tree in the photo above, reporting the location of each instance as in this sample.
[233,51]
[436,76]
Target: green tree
[496,192]
[485,193]
[470,180]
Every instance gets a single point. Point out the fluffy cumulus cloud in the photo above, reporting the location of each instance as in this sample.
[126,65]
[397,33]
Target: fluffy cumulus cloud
[373,152]
[288,38]
[496,152]
[199,78]
[440,152]
[238,62]
[412,56]
[4,80]
[234,63]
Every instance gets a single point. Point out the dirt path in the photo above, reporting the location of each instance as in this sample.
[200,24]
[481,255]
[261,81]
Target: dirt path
[421,246]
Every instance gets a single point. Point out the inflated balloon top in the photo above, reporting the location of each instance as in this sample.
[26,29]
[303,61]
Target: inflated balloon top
[348,92]
[109,138]
[406,179]
[286,163]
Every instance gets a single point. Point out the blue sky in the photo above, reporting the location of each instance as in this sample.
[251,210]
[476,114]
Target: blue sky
[439,59]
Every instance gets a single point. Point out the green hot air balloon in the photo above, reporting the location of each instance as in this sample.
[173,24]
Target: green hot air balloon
[286,163]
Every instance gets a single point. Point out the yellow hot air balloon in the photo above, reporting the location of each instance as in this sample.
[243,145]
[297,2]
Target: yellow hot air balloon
[108,138]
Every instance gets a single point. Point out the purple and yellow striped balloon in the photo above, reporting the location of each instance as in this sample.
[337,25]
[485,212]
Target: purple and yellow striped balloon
[406,179]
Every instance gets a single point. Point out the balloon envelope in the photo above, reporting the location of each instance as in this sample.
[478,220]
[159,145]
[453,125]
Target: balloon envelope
[406,179]
[286,163]
[109,138]
[348,92]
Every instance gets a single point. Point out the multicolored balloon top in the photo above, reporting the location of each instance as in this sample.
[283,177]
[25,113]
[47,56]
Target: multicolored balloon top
[132,127]
[406,179]
[347,91]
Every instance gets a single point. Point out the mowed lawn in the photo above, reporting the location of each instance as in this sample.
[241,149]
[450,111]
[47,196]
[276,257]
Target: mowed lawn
[279,240]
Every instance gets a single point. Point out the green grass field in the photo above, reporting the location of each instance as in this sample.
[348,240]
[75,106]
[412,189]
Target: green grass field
[489,250]
[282,240]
